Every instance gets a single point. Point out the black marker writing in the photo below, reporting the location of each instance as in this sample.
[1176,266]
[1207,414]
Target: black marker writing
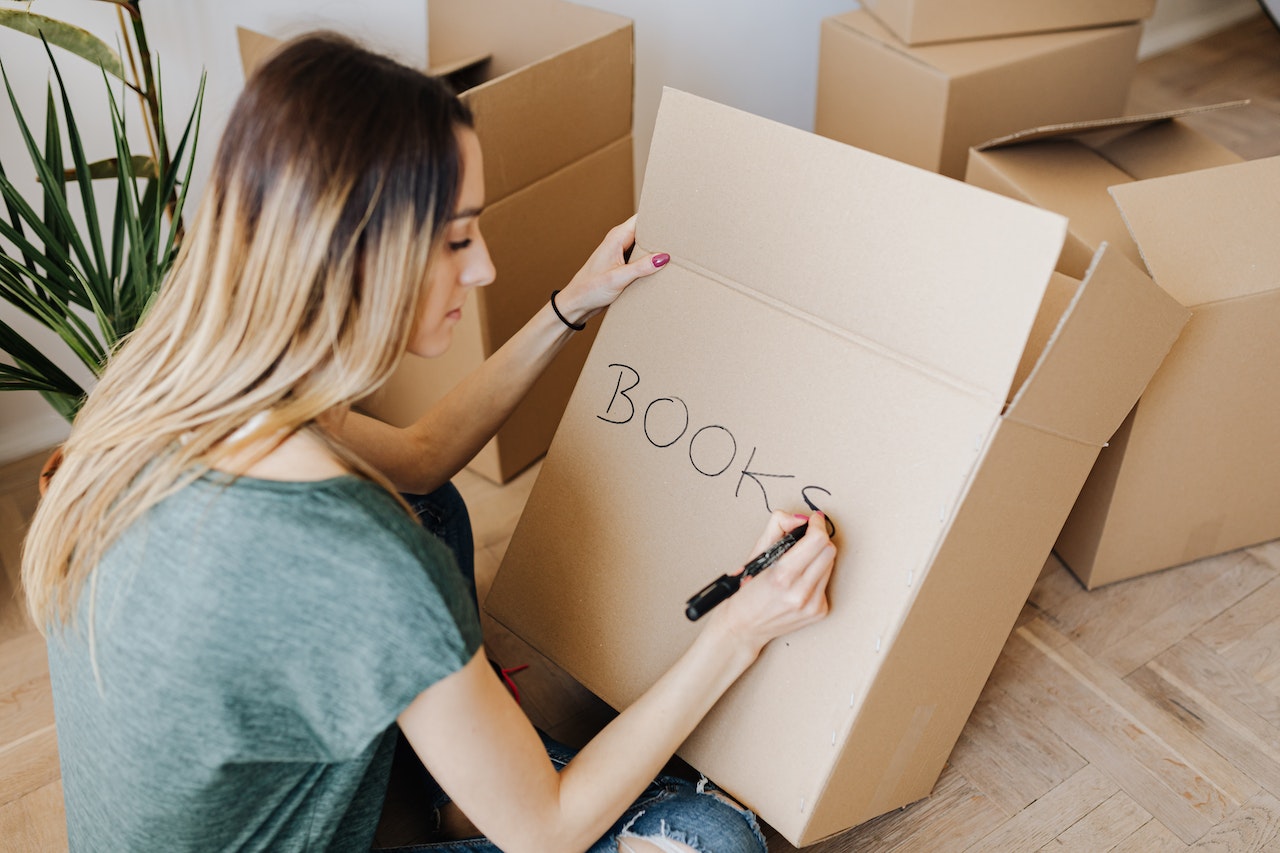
[619,391]
[755,478]
[712,449]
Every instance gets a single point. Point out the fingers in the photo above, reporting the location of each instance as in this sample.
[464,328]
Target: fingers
[792,593]
[619,243]
[806,567]
[779,523]
[813,549]
[623,234]
[615,279]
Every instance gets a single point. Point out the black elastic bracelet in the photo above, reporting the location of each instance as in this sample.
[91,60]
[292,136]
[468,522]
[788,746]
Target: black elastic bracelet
[577,327]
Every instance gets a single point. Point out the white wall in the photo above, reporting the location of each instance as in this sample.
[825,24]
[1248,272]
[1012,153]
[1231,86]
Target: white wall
[1177,22]
[757,55]
[190,36]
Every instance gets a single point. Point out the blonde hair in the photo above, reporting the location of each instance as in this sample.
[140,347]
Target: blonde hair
[294,292]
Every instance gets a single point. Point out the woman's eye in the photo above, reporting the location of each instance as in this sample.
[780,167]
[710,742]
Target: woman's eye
[459,245]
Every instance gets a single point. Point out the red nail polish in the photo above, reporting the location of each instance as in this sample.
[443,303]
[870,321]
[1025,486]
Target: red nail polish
[661,260]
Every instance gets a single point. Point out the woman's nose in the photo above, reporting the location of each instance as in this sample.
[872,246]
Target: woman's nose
[479,271]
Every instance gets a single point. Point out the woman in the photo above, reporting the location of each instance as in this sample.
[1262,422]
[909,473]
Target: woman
[240,607]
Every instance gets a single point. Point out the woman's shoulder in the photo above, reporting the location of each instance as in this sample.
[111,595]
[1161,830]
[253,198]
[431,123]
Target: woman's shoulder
[299,458]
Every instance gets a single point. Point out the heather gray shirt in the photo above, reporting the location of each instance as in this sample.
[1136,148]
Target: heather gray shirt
[254,642]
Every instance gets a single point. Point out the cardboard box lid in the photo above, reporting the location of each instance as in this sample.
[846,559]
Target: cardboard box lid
[560,81]
[516,33]
[1066,168]
[1114,126]
[964,58]
[1121,319]
[844,219]
[922,21]
[549,81]
[1208,235]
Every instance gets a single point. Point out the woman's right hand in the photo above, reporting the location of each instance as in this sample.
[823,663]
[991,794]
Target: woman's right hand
[790,594]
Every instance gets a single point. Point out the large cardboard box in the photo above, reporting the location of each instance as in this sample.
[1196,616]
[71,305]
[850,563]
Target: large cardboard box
[927,105]
[551,87]
[925,21]
[889,344]
[1194,470]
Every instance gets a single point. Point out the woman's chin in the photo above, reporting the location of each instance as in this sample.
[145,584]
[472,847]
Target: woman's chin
[434,346]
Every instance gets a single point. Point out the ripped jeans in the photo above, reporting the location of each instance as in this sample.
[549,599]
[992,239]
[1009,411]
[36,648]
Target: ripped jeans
[671,808]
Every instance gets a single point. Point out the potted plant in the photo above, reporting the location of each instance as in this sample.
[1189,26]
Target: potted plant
[85,270]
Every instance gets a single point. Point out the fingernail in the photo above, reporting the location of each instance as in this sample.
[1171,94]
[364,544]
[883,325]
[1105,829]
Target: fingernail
[802,517]
[661,260]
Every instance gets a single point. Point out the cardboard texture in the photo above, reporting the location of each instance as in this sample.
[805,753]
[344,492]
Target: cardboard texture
[1193,470]
[927,105]
[1068,167]
[1196,472]
[551,90]
[837,326]
[925,21]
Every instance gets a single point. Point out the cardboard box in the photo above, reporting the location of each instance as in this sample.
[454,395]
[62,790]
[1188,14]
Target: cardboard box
[539,236]
[1193,471]
[551,87]
[839,326]
[1068,167]
[925,21]
[927,105]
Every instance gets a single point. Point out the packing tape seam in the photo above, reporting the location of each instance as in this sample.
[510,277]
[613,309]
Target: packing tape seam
[866,343]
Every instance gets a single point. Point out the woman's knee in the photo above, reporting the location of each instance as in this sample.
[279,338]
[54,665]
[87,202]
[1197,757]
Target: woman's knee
[697,818]
[652,845]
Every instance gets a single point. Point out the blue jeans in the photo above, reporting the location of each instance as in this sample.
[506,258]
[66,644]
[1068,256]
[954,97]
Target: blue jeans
[444,513]
[671,807]
[694,813]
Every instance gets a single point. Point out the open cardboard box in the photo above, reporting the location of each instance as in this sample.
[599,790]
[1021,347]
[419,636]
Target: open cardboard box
[925,21]
[551,90]
[927,105]
[1193,471]
[888,343]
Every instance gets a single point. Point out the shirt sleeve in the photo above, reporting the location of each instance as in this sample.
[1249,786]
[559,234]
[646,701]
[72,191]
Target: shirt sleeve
[370,610]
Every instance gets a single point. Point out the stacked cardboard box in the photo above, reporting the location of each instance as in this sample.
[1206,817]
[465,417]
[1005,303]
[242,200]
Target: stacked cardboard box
[1193,471]
[903,356]
[551,87]
[923,81]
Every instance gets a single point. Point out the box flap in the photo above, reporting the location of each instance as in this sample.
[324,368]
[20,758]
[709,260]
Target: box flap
[961,58]
[1118,124]
[1163,148]
[1107,346]
[1208,235]
[465,72]
[516,32]
[864,255]
[924,21]
[254,48]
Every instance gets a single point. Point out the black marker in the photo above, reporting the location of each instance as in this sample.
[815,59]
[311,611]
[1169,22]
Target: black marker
[726,585]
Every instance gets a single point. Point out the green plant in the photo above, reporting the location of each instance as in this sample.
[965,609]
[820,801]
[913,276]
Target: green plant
[85,272]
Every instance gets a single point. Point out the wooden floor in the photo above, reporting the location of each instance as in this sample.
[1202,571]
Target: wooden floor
[1140,717]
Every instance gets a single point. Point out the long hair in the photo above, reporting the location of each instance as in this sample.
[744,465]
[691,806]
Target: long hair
[295,292]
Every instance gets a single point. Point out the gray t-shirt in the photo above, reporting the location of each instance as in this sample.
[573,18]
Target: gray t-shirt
[254,643]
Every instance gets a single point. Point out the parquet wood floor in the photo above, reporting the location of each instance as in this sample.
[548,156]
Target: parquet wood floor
[1144,716]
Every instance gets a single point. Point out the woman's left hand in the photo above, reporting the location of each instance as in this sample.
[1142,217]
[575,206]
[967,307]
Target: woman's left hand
[606,274]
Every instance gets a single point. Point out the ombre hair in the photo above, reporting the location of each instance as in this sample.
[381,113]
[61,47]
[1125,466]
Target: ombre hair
[295,292]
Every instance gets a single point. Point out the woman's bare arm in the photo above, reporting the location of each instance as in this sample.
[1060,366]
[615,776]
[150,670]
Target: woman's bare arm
[482,749]
[426,454]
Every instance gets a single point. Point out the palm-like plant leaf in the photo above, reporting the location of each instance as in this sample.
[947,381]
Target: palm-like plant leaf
[68,36]
[89,288]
